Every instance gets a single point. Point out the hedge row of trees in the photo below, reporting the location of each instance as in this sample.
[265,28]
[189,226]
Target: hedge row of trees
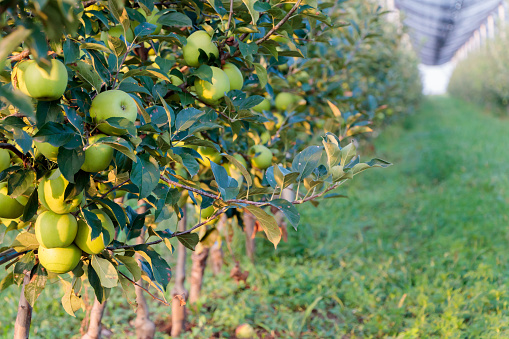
[117,117]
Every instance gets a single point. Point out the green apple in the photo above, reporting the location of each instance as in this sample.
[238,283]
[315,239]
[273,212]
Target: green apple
[60,259]
[45,86]
[265,137]
[51,194]
[152,19]
[206,212]
[208,154]
[235,76]
[262,106]
[196,41]
[284,100]
[117,31]
[84,236]
[5,159]
[245,331]
[212,92]
[97,156]
[261,156]
[113,104]
[10,208]
[55,230]
[47,149]
[18,75]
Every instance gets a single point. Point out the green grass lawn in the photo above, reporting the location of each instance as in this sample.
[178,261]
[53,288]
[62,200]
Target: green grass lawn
[418,250]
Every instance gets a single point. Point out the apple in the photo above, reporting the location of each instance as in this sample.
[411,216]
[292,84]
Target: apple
[10,208]
[55,230]
[261,156]
[196,41]
[45,86]
[18,75]
[84,236]
[235,76]
[212,92]
[208,154]
[206,212]
[284,100]
[51,194]
[47,149]
[113,104]
[5,159]
[97,156]
[265,137]
[262,106]
[152,19]
[245,331]
[60,259]
[117,31]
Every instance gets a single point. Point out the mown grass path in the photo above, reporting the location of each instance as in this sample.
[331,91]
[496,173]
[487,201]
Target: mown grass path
[419,250]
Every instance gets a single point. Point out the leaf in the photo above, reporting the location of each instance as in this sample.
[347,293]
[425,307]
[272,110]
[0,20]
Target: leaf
[261,72]
[146,72]
[128,289]
[71,51]
[160,268]
[19,181]
[228,186]
[70,161]
[95,225]
[120,145]
[372,163]
[241,168]
[254,13]
[248,49]
[306,161]
[186,118]
[132,266]
[348,153]
[70,301]
[204,72]
[9,43]
[17,99]
[116,210]
[93,279]
[106,271]
[189,240]
[37,282]
[95,47]
[176,19]
[31,206]
[25,241]
[288,209]
[87,73]
[145,175]
[7,281]
[115,8]
[268,223]
[117,45]
[335,109]
[56,134]
[333,152]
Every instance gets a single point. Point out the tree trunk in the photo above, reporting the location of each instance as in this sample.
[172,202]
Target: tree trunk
[197,270]
[96,315]
[145,328]
[216,251]
[24,317]
[178,311]
[249,229]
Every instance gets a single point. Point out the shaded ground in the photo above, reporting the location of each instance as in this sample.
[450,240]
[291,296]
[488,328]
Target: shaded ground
[418,250]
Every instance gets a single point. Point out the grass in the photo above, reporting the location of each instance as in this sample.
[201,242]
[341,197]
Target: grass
[418,250]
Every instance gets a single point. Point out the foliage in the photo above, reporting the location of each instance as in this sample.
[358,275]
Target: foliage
[431,240]
[481,77]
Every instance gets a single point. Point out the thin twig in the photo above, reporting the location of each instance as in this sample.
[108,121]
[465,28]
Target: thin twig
[230,15]
[279,24]
[114,188]
[143,288]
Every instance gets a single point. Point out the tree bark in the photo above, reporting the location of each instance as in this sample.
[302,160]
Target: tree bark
[96,315]
[178,311]
[197,270]
[24,317]
[249,229]
[216,251]
[145,328]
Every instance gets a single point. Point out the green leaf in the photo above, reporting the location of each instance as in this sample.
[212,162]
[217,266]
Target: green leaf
[268,223]
[120,145]
[372,163]
[146,72]
[99,291]
[132,265]
[204,72]
[70,161]
[95,225]
[9,43]
[71,51]
[261,72]
[228,186]
[116,210]
[18,100]
[145,175]
[248,49]
[348,153]
[189,240]
[87,73]
[288,209]
[174,19]
[117,45]
[25,241]
[37,283]
[95,47]
[254,13]
[160,268]
[186,118]
[56,134]
[106,272]
[7,281]
[306,161]
[31,207]
[19,181]
[115,7]
[70,301]
[241,168]
[128,289]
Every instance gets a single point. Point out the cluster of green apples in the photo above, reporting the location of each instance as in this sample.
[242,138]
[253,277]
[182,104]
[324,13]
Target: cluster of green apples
[62,237]
[10,208]
[225,79]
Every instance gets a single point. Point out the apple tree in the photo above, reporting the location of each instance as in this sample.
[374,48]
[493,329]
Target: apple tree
[160,105]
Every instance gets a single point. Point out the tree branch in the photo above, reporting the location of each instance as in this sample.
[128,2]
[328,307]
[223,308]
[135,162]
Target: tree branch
[143,288]
[279,24]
